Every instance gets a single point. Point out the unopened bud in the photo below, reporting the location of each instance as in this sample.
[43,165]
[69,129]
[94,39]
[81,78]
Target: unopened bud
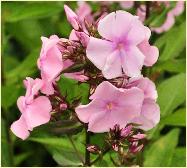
[93,149]
[115,147]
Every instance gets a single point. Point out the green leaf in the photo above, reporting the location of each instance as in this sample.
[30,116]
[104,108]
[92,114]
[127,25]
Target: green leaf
[178,118]
[179,157]
[170,46]
[175,65]
[29,10]
[6,160]
[161,152]
[73,90]
[19,158]
[171,93]
[26,68]
[62,149]
[10,94]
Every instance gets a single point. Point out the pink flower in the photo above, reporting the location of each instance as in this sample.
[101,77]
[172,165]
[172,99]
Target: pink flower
[126,4]
[84,11]
[110,106]
[150,113]
[170,18]
[50,63]
[119,48]
[34,112]
[72,17]
[141,12]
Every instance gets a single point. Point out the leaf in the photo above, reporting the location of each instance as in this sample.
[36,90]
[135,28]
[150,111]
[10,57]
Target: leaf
[62,149]
[170,46]
[19,158]
[171,93]
[10,94]
[177,118]
[29,10]
[161,152]
[73,90]
[6,160]
[26,68]
[179,157]
[175,65]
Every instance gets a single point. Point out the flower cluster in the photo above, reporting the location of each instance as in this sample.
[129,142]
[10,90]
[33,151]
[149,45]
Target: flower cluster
[107,51]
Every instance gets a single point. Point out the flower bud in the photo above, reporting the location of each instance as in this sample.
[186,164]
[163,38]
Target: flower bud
[72,17]
[93,149]
[126,131]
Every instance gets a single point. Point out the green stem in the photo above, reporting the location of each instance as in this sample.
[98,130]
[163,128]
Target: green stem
[87,153]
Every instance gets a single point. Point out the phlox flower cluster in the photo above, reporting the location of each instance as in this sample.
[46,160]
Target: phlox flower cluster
[107,51]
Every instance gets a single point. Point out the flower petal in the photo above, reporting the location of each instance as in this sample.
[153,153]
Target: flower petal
[85,111]
[20,129]
[21,104]
[132,61]
[146,85]
[38,112]
[104,91]
[98,50]
[151,53]
[137,33]
[150,115]
[115,25]
[100,122]
[112,68]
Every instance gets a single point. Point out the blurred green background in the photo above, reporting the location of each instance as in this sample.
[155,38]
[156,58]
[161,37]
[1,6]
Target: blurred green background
[23,23]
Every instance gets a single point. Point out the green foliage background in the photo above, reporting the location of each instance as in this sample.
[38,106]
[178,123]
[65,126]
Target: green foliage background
[23,23]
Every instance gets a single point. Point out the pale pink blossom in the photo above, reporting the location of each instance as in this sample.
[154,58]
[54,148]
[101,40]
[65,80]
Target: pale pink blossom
[50,63]
[110,106]
[34,111]
[150,113]
[126,4]
[170,18]
[84,11]
[119,47]
[141,12]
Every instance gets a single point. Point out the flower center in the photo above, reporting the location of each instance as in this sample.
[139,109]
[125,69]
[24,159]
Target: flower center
[109,106]
[120,46]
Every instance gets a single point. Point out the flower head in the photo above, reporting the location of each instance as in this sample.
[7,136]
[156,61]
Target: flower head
[34,111]
[110,106]
[118,52]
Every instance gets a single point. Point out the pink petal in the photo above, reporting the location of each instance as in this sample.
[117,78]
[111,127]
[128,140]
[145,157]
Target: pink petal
[38,112]
[112,66]
[83,10]
[150,115]
[126,4]
[137,32]
[84,112]
[104,91]
[71,17]
[73,36]
[115,25]
[132,61]
[100,122]
[146,85]
[98,50]
[47,87]
[179,8]
[20,128]
[151,53]
[21,104]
